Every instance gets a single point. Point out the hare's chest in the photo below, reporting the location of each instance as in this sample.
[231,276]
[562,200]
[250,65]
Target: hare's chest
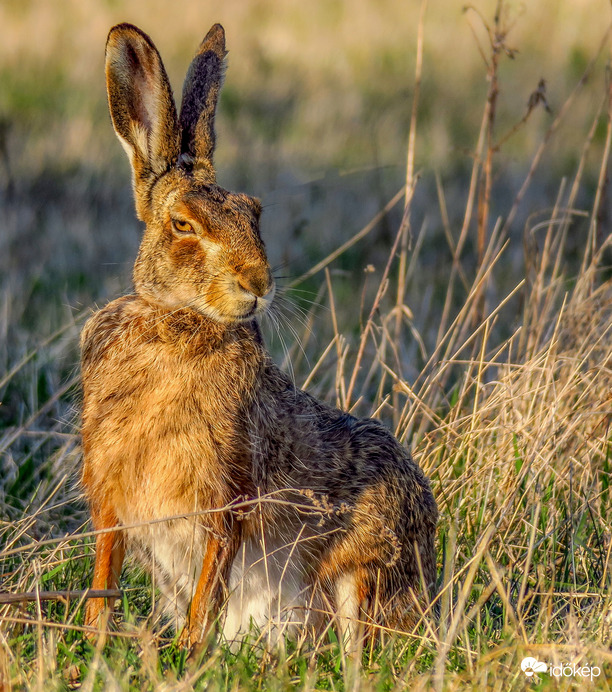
[164,437]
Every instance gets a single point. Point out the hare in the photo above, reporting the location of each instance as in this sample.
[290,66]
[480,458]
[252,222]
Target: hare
[185,413]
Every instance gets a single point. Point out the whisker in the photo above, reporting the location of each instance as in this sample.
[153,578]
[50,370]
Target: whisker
[296,312]
[281,318]
[274,318]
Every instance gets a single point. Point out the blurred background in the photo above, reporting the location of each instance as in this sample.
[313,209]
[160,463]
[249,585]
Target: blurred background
[314,119]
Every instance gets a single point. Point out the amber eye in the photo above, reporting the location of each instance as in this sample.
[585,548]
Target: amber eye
[182,226]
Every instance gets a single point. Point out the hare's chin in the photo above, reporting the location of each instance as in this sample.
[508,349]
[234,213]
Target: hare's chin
[260,305]
[246,314]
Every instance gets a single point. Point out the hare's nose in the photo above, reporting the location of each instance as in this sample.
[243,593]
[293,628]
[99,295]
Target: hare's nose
[256,280]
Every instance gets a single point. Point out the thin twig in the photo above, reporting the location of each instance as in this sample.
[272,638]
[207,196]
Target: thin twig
[351,241]
[66,595]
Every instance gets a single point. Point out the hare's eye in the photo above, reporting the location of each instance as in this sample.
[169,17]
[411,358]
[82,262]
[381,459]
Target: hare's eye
[182,226]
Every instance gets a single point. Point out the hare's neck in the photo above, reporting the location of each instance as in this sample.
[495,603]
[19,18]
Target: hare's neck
[189,330]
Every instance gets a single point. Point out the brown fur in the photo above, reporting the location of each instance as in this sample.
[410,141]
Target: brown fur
[184,409]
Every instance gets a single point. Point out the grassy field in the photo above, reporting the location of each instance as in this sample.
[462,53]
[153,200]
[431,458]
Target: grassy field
[439,221]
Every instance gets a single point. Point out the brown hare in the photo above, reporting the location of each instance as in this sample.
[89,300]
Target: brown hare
[184,411]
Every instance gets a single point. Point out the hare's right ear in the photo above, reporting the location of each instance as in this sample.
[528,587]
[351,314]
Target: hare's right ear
[141,107]
[199,103]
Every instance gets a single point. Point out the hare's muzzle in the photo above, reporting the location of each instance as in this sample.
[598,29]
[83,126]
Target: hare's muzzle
[256,280]
[256,284]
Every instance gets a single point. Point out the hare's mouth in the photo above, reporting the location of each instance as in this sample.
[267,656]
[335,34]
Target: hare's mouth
[233,306]
[259,306]
[251,312]
[256,303]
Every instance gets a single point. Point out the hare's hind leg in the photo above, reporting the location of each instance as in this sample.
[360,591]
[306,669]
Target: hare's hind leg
[349,590]
[110,551]
[221,549]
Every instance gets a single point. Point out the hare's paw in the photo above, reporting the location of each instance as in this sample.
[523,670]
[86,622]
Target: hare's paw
[97,617]
[185,638]
[193,635]
[197,640]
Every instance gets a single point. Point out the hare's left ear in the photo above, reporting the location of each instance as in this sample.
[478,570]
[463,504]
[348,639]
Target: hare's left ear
[200,96]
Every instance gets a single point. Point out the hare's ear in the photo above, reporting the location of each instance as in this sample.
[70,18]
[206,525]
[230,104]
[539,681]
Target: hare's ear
[200,95]
[141,104]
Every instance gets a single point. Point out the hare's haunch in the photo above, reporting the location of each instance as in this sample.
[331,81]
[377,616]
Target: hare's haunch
[185,413]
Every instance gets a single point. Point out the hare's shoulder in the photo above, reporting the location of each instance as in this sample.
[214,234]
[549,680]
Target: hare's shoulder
[106,326]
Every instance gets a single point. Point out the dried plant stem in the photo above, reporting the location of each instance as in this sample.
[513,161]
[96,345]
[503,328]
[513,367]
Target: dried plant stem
[554,126]
[457,618]
[339,382]
[484,195]
[369,322]
[592,241]
[406,233]
[351,241]
[463,234]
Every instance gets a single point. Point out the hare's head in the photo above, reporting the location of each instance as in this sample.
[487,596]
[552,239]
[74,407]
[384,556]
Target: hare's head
[201,246]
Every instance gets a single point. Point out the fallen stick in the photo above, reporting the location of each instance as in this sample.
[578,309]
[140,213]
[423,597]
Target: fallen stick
[29,596]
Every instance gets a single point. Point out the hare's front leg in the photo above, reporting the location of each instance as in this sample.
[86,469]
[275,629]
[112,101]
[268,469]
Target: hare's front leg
[221,549]
[110,551]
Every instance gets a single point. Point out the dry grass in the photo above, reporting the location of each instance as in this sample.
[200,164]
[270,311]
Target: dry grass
[493,363]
